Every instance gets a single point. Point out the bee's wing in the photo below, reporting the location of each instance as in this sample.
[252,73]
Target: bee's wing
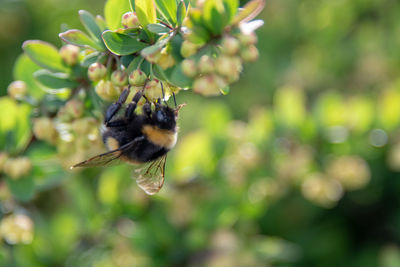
[150,176]
[109,157]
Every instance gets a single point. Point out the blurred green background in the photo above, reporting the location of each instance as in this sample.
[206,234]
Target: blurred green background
[297,166]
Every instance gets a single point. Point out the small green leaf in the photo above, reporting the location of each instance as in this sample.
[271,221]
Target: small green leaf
[90,23]
[249,11]
[146,11]
[199,35]
[54,80]
[214,16]
[22,189]
[150,50]
[177,78]
[156,47]
[101,22]
[113,11]
[134,64]
[132,4]
[176,44]
[122,44]
[90,59]
[158,28]
[231,6]
[126,60]
[45,55]
[181,13]
[167,8]
[77,37]
[23,70]
[159,73]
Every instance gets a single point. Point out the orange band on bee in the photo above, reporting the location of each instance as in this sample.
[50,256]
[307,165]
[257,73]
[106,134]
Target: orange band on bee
[160,137]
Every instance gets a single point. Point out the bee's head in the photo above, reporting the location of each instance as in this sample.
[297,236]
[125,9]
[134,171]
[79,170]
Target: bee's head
[164,117]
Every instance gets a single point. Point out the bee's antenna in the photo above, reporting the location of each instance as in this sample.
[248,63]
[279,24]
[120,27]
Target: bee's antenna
[163,94]
[173,94]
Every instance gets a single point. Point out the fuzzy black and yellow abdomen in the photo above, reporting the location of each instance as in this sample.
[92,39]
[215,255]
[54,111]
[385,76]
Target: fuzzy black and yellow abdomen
[145,151]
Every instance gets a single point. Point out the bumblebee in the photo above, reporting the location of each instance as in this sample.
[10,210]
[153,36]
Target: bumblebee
[139,139]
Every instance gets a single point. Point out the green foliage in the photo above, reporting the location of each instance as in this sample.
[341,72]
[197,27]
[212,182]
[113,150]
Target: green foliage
[295,166]
[122,44]
[78,38]
[146,12]
[45,55]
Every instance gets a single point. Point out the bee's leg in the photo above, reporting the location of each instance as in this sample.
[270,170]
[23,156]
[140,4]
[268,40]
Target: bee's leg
[147,109]
[117,123]
[113,108]
[130,110]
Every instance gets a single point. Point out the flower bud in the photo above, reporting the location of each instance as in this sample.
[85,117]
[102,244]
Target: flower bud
[166,60]
[209,85]
[43,129]
[137,78]
[17,89]
[70,53]
[249,54]
[17,167]
[97,71]
[189,68]
[153,58]
[153,90]
[17,229]
[75,108]
[3,159]
[130,20]
[229,67]
[230,45]
[119,78]
[107,91]
[188,48]
[247,39]
[206,64]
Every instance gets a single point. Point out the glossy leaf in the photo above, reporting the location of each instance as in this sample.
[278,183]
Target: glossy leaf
[122,44]
[134,64]
[90,23]
[215,16]
[150,50]
[167,9]
[146,12]
[181,13]
[231,7]
[113,11]
[54,80]
[90,59]
[156,47]
[77,37]
[45,55]
[158,28]
[132,4]
[23,70]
